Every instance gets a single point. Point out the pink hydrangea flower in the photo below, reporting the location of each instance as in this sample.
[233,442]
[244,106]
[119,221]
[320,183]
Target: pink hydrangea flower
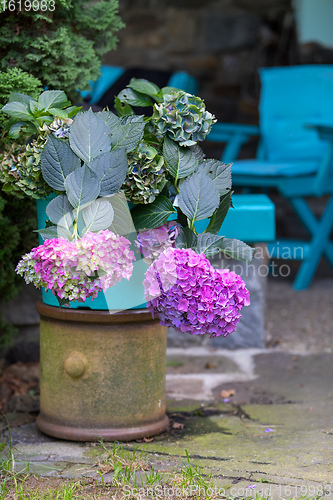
[153,242]
[185,291]
[80,269]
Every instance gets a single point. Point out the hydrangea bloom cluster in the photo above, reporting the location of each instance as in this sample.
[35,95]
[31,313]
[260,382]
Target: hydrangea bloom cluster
[77,270]
[145,177]
[183,117]
[153,242]
[187,293]
[20,165]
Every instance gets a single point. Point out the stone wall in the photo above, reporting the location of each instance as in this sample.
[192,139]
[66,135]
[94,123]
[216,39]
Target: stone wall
[221,42]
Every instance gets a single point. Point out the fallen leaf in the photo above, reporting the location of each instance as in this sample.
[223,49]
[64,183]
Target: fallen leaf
[177,425]
[210,365]
[227,394]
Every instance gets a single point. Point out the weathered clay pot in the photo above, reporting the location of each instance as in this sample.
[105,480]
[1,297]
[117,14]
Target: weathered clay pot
[102,374]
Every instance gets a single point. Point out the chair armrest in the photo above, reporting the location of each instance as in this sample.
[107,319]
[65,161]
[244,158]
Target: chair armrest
[234,135]
[325,131]
[325,170]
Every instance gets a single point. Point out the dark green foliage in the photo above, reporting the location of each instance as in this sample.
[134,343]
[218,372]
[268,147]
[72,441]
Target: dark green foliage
[17,221]
[62,46]
[59,48]
[16,80]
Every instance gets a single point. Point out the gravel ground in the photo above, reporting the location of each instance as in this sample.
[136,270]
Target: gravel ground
[300,320]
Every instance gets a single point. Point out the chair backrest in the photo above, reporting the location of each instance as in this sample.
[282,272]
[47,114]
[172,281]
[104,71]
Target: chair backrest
[291,98]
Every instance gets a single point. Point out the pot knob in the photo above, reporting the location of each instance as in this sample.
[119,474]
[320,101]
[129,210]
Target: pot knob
[75,365]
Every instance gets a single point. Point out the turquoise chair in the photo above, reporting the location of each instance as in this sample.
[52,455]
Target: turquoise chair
[110,74]
[295,155]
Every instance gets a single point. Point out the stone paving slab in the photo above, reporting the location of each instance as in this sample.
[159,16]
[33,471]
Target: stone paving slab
[274,435]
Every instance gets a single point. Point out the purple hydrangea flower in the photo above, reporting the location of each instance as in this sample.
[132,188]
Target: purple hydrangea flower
[185,291]
[153,242]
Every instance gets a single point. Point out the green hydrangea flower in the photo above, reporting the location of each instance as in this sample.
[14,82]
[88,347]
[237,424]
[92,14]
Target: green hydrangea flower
[20,169]
[145,176]
[183,117]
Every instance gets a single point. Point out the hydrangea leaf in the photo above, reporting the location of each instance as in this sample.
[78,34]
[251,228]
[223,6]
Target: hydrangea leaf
[18,110]
[48,232]
[109,118]
[127,136]
[89,136]
[57,162]
[122,108]
[181,162]
[82,187]
[53,99]
[54,232]
[209,244]
[124,120]
[60,211]
[198,152]
[144,86]
[23,98]
[134,98]
[152,215]
[33,107]
[122,223]
[111,169]
[220,173]
[198,198]
[186,238]
[58,112]
[220,213]
[15,130]
[237,249]
[97,215]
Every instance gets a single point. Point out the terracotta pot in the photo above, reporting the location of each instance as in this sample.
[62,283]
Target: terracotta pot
[102,374]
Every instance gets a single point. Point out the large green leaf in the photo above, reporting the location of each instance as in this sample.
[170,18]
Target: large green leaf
[18,110]
[89,136]
[34,108]
[127,136]
[111,169]
[180,162]
[109,118]
[15,130]
[209,244]
[23,98]
[144,86]
[220,213]
[130,96]
[122,108]
[198,198]
[58,112]
[53,99]
[122,223]
[152,215]
[186,238]
[197,151]
[82,187]
[54,232]
[237,249]
[124,120]
[97,215]
[57,162]
[220,173]
[61,212]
